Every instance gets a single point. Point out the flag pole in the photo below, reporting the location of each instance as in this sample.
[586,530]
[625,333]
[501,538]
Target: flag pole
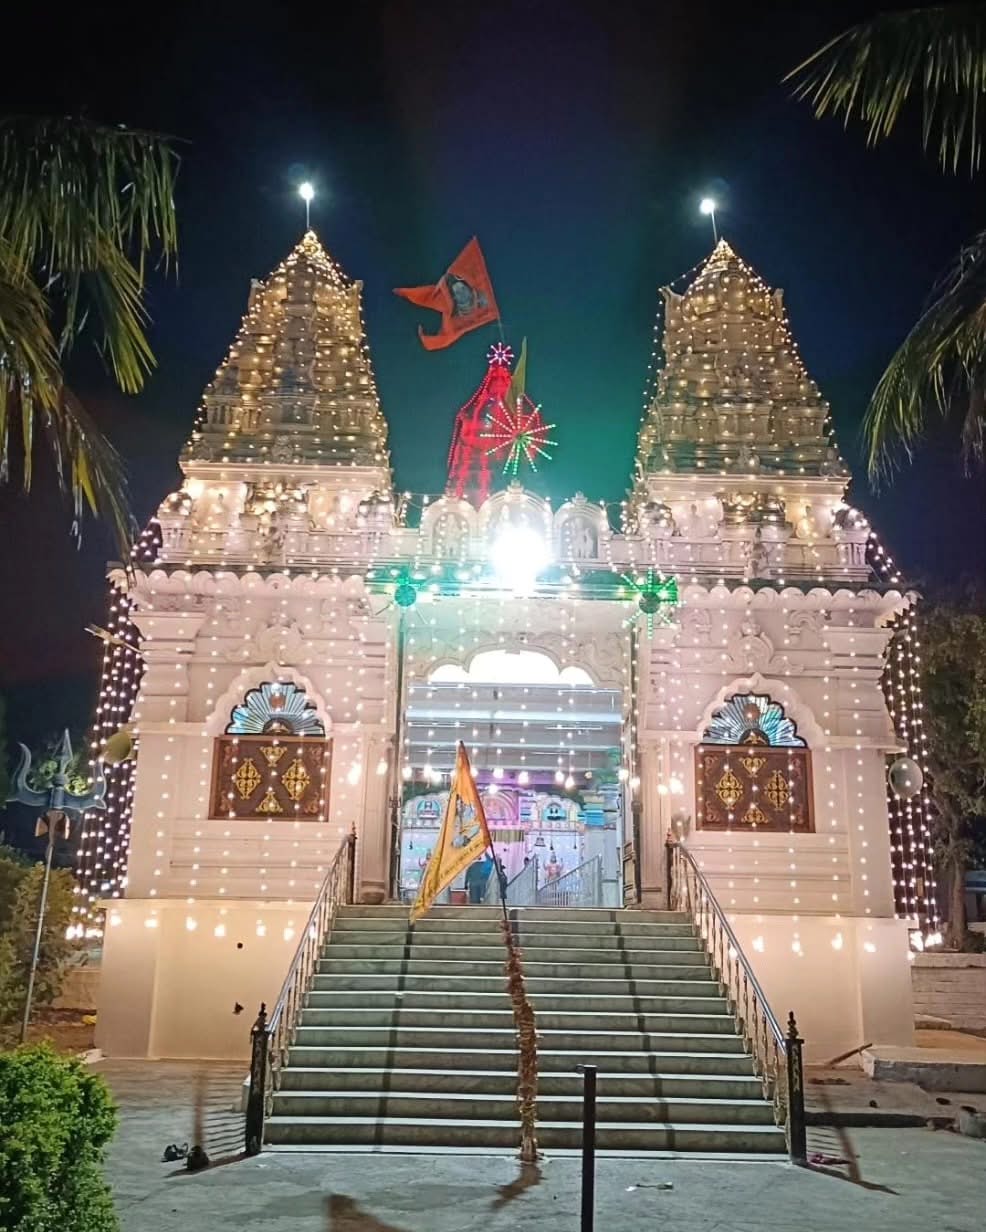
[527,1057]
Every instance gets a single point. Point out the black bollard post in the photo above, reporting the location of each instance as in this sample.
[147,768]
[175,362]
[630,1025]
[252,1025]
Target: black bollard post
[588,1073]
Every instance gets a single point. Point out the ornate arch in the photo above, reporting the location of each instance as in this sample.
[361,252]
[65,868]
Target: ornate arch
[792,706]
[252,680]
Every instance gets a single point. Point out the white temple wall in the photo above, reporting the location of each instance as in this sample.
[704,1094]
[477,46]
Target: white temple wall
[173,974]
[811,910]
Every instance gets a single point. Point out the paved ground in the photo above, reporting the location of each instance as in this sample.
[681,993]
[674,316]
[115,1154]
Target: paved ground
[906,1180]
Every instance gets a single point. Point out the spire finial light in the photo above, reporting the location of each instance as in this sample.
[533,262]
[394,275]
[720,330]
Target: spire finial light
[306,191]
[707,206]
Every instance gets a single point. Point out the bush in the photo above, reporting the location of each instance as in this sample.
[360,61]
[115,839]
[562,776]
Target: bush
[20,896]
[57,1119]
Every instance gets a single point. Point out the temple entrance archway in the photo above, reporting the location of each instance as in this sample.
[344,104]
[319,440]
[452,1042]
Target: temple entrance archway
[544,740]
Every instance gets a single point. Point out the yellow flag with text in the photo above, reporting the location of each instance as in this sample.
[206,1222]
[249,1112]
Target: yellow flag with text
[463,838]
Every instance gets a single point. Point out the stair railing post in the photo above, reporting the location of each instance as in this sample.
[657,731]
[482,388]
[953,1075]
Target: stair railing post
[351,872]
[588,1073]
[797,1136]
[669,846]
[257,1094]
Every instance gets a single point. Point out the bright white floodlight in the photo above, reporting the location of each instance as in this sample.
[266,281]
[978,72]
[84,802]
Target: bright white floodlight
[519,554]
[707,206]
[306,192]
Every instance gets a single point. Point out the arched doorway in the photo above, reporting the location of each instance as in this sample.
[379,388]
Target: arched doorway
[544,742]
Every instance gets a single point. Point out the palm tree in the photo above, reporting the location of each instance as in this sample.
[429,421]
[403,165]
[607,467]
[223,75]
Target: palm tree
[870,74]
[82,208]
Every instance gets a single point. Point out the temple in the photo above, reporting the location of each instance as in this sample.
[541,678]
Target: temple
[299,652]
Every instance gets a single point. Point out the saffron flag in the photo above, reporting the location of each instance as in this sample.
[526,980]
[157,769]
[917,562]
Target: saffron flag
[463,295]
[463,838]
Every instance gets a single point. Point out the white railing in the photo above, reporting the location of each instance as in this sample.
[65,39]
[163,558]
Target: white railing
[582,887]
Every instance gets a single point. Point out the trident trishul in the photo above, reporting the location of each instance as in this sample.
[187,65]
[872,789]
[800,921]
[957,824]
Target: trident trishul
[56,802]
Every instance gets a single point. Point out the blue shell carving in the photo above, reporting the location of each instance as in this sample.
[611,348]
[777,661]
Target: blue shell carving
[275,706]
[752,718]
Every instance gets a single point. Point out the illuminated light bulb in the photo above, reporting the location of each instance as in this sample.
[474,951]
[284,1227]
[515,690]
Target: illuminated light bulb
[837,942]
[559,776]
[288,933]
[662,789]
[623,774]
[382,766]
[219,930]
[151,922]
[569,783]
[635,783]
[261,930]
[676,786]
[353,776]
[523,778]
[498,772]
[191,924]
[492,789]
[518,555]
[758,944]
[869,947]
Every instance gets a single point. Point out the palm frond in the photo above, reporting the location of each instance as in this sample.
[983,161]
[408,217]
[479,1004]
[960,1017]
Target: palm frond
[940,366]
[83,205]
[871,71]
[90,471]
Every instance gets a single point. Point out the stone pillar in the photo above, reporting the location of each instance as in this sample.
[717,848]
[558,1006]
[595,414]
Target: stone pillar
[373,839]
[652,829]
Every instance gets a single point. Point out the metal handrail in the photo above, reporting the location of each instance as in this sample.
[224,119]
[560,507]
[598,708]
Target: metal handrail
[688,890]
[559,894]
[271,1035]
[523,888]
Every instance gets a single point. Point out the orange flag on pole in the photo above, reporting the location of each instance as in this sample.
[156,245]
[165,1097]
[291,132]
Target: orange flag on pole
[464,837]
[463,295]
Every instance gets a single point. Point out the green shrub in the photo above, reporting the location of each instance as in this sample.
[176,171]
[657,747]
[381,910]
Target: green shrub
[57,1119]
[20,895]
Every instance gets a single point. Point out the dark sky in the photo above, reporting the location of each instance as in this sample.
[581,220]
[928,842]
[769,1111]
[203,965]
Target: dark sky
[575,140]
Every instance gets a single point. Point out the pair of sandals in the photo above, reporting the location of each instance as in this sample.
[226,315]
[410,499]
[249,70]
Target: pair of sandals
[195,1158]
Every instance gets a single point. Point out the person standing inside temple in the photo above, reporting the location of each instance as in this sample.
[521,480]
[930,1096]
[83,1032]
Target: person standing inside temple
[477,875]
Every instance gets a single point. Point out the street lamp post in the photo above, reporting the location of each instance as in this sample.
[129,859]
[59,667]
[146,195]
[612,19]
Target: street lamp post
[55,803]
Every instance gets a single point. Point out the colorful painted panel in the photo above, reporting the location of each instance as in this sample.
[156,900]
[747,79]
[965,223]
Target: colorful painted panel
[271,777]
[753,788]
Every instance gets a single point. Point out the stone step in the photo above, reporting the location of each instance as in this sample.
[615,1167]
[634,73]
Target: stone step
[431,998]
[592,915]
[472,1106]
[428,927]
[588,947]
[474,1038]
[504,1135]
[572,1020]
[670,967]
[504,1082]
[374,982]
[630,1060]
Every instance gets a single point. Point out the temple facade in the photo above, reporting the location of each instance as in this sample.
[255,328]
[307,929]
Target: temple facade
[299,650]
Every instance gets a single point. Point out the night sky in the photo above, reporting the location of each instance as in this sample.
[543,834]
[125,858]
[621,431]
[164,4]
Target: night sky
[575,140]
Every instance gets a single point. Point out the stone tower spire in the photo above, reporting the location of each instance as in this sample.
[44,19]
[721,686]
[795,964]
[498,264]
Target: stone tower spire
[733,386]
[736,471]
[297,384]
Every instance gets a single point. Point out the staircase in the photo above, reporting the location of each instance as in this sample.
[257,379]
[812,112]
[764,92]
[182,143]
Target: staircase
[407,1039]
